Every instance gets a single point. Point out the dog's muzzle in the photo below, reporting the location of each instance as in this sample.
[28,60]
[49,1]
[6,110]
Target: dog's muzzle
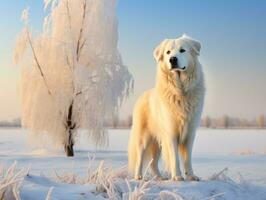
[174,64]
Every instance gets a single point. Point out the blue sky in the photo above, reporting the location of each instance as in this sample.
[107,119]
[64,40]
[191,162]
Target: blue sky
[232,33]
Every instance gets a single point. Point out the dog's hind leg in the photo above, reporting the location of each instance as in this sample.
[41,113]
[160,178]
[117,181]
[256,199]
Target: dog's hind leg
[155,155]
[140,151]
[142,145]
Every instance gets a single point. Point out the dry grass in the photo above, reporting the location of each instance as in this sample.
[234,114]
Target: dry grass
[103,177]
[49,194]
[106,181]
[10,181]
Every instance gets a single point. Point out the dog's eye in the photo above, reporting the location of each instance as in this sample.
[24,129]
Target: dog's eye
[168,52]
[182,50]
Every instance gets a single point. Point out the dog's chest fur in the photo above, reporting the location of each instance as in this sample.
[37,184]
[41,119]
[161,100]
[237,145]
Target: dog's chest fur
[181,98]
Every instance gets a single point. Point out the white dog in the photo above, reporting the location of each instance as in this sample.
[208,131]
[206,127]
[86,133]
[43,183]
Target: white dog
[165,118]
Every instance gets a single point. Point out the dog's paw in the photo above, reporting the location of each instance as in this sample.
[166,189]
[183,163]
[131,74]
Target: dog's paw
[177,178]
[192,178]
[138,177]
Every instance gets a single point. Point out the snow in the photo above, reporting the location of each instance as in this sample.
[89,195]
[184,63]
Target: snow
[69,178]
[36,187]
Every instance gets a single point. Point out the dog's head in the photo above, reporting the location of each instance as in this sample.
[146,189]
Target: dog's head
[178,54]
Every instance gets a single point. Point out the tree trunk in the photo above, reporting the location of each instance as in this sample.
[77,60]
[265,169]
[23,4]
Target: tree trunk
[70,126]
[69,145]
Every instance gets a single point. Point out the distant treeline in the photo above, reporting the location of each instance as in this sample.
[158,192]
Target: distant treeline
[233,122]
[14,123]
[206,121]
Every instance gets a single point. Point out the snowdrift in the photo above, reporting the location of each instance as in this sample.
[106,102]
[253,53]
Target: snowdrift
[106,183]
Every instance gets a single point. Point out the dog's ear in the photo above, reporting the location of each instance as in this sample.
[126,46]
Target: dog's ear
[196,46]
[159,51]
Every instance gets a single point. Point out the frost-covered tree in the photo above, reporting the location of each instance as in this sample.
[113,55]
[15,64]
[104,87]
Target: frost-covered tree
[72,75]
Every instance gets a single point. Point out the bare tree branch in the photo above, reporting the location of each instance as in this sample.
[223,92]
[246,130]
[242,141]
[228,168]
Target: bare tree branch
[71,67]
[81,47]
[82,91]
[86,89]
[37,61]
[68,15]
[68,63]
[78,49]
[39,66]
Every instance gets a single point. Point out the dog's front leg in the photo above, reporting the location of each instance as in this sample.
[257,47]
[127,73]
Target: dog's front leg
[174,159]
[185,150]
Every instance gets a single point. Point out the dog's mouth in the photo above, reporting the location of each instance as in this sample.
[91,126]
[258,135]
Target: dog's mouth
[180,69]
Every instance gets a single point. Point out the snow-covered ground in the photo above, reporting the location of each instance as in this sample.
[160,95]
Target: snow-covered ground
[242,152]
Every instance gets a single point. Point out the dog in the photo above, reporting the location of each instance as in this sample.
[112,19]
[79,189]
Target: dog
[166,117]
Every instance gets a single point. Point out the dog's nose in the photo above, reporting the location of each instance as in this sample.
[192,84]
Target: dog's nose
[173,61]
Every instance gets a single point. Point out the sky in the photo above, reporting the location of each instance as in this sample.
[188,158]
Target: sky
[233,54]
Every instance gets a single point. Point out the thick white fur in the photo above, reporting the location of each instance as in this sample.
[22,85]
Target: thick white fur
[165,118]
